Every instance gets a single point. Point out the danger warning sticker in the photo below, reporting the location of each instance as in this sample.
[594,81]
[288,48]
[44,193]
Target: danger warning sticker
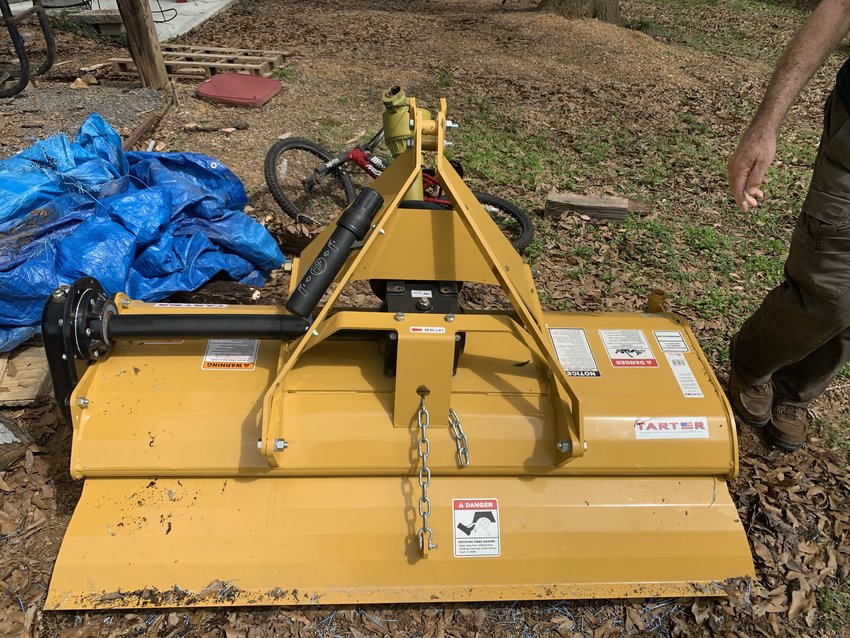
[231,354]
[574,352]
[672,427]
[476,527]
[628,349]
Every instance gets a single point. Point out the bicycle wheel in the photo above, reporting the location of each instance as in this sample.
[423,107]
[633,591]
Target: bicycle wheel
[514,222]
[290,170]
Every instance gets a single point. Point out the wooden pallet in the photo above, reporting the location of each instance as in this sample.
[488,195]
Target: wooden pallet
[194,62]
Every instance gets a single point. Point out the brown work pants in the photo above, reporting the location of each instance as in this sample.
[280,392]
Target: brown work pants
[800,336]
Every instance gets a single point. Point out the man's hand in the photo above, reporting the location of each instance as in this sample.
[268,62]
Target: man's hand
[748,165]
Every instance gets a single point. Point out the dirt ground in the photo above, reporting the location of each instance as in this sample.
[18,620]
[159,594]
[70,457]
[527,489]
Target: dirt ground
[650,112]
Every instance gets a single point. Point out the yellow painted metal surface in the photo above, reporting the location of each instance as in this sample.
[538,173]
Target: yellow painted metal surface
[599,445]
[266,541]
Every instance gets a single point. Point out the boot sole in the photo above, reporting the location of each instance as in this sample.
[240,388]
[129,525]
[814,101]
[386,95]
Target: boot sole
[783,445]
[752,424]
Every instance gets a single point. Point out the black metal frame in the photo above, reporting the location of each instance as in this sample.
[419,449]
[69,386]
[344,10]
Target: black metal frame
[80,324]
[12,22]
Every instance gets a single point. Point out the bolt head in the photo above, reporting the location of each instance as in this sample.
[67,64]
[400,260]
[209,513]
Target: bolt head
[259,444]
[88,332]
[399,316]
[565,446]
[450,317]
[280,445]
[393,336]
[83,402]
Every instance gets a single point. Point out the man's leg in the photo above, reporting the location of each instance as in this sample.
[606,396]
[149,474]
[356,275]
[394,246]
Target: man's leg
[810,310]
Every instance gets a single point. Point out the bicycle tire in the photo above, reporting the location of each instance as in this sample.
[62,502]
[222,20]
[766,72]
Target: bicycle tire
[49,42]
[319,206]
[513,221]
[23,73]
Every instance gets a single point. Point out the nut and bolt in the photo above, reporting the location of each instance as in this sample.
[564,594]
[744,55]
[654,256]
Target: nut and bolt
[83,402]
[423,303]
[565,446]
[450,124]
[61,322]
[125,303]
[448,143]
[60,292]
[280,445]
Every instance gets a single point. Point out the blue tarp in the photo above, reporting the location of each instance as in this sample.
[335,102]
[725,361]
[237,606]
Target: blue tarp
[148,224]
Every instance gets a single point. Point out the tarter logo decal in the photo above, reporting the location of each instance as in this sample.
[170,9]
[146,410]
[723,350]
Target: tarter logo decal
[673,427]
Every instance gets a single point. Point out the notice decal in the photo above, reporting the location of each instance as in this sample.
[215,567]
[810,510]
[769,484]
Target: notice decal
[628,349]
[476,527]
[672,427]
[574,352]
[231,354]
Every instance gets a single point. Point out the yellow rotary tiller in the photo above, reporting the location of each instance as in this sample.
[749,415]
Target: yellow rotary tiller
[256,455]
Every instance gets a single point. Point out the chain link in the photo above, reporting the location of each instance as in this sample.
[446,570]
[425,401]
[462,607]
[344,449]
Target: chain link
[460,438]
[424,449]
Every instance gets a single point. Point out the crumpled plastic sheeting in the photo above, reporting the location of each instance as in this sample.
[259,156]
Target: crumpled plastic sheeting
[148,224]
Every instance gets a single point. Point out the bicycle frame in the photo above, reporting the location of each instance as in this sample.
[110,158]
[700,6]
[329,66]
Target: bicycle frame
[24,70]
[362,155]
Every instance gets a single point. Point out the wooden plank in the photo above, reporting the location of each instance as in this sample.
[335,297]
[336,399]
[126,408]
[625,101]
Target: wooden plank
[607,208]
[13,442]
[194,68]
[25,377]
[201,49]
[143,42]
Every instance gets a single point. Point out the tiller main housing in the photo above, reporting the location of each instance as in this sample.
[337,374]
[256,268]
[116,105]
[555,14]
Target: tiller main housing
[256,455]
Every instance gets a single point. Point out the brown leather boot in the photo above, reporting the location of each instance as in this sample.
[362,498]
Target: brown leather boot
[752,403]
[787,427]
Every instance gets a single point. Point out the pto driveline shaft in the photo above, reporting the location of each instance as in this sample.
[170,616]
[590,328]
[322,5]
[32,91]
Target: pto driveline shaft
[351,226]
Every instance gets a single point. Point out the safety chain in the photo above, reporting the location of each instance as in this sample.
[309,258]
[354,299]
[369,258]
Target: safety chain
[460,439]
[424,420]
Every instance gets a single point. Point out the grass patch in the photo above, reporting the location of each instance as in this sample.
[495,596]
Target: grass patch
[834,604]
[837,435]
[444,76]
[283,73]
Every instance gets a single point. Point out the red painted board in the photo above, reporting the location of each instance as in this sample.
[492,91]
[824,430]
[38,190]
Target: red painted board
[239,89]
